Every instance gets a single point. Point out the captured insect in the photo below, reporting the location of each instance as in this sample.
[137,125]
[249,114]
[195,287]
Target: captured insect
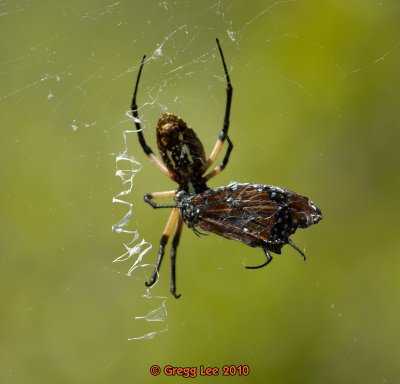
[257,215]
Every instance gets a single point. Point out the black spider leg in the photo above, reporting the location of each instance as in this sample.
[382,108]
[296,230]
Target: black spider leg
[290,242]
[174,216]
[142,141]
[269,259]
[161,250]
[175,243]
[148,198]
[224,132]
[147,150]
[227,154]
[229,92]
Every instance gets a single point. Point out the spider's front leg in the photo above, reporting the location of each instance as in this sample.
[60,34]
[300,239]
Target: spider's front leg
[224,132]
[220,167]
[134,108]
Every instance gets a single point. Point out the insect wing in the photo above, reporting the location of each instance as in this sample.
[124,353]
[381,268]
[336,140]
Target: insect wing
[243,212]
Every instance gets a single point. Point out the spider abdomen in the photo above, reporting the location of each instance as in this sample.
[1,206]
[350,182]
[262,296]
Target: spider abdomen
[182,152]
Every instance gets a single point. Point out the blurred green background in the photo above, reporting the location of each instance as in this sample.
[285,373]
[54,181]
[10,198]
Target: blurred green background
[315,110]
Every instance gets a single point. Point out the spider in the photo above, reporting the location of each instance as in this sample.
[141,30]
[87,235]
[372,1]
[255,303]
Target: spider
[183,161]
[257,215]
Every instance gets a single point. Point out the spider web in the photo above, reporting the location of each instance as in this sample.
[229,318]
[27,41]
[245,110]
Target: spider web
[314,102]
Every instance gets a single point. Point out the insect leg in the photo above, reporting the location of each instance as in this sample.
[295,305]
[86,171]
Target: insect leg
[175,243]
[163,242]
[269,259]
[290,242]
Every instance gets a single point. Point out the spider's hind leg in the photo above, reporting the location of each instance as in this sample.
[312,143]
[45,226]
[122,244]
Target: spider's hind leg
[161,249]
[163,242]
[175,243]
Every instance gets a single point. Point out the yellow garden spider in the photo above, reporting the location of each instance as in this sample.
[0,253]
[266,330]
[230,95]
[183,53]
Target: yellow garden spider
[257,215]
[184,161]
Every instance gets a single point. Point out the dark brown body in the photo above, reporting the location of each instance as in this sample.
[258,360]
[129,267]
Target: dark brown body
[257,215]
[182,152]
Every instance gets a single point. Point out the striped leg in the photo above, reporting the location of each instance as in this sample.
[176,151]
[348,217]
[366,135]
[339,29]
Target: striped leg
[174,216]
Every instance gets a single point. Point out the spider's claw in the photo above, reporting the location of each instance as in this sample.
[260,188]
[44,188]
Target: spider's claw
[152,280]
[150,283]
[176,295]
